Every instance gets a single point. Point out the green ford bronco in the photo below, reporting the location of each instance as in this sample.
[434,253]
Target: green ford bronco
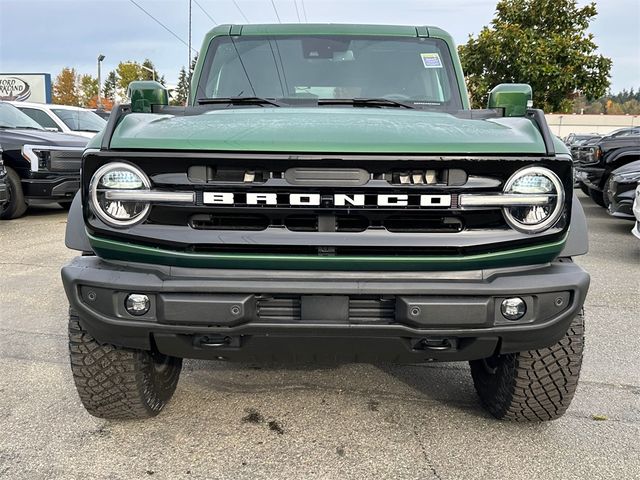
[327,195]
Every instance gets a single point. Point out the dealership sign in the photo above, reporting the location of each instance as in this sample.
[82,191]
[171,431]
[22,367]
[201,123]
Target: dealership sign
[25,87]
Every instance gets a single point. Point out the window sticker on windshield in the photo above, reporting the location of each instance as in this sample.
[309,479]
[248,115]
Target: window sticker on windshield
[431,60]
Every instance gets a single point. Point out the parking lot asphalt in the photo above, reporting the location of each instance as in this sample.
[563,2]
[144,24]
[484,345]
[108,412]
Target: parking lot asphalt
[231,421]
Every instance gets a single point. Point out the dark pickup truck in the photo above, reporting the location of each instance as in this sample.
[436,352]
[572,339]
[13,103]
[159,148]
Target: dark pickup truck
[40,165]
[595,161]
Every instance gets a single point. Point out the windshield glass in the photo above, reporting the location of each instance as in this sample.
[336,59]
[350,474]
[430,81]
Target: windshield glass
[11,117]
[413,70]
[80,120]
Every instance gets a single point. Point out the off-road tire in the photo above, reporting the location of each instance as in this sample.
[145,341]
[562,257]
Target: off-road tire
[537,385]
[120,383]
[16,206]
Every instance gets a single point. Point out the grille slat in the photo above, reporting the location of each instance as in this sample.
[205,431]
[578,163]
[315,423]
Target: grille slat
[362,309]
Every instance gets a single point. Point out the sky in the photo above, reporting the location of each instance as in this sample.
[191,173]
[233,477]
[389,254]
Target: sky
[47,35]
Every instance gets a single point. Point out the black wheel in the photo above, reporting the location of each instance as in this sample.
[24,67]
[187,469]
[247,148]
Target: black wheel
[584,189]
[597,197]
[65,205]
[16,206]
[536,385]
[120,383]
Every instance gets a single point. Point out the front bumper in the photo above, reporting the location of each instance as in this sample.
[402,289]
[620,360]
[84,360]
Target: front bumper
[621,197]
[241,315]
[590,176]
[51,187]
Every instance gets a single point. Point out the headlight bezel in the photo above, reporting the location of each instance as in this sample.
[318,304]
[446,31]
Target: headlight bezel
[555,214]
[95,203]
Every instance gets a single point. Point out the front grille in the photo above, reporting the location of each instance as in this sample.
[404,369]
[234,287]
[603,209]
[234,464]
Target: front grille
[363,309]
[343,214]
[64,161]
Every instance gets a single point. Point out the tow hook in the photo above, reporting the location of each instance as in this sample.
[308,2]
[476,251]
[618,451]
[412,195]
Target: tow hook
[212,341]
[435,343]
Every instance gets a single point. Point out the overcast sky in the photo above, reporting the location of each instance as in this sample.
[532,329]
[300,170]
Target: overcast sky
[46,35]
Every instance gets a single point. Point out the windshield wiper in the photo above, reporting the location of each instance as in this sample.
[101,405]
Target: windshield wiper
[239,101]
[365,102]
[25,127]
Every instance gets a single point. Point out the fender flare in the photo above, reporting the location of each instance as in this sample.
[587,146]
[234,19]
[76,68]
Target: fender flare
[621,154]
[75,237]
[578,239]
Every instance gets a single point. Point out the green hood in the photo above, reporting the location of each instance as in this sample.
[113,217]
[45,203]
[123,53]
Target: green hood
[326,129]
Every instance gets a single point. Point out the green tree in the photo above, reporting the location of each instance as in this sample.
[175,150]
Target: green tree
[181,93]
[88,90]
[65,88]
[540,42]
[147,75]
[126,73]
[631,107]
[110,85]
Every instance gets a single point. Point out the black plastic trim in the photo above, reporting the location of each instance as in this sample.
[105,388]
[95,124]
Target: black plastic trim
[90,272]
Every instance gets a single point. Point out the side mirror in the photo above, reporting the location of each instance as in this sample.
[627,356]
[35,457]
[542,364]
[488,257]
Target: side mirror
[514,98]
[144,94]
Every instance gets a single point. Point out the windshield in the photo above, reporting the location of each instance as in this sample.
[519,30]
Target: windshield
[413,70]
[80,120]
[11,117]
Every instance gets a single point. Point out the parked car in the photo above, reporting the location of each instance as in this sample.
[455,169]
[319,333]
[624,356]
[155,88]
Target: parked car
[595,161]
[63,118]
[621,190]
[624,132]
[102,113]
[574,139]
[335,211]
[636,212]
[40,165]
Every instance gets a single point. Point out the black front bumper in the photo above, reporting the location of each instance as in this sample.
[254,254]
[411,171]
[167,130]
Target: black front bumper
[315,316]
[590,176]
[51,187]
[621,197]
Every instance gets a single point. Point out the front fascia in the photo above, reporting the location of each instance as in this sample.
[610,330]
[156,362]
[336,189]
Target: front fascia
[150,245]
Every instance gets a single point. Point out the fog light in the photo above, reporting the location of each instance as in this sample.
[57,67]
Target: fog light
[513,308]
[137,304]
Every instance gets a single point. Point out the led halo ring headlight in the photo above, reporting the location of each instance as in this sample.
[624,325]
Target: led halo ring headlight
[118,176]
[532,181]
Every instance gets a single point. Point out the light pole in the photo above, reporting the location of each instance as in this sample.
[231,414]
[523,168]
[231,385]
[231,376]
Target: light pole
[153,72]
[100,59]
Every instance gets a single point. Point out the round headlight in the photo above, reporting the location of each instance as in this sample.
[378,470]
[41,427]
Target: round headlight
[535,181]
[118,176]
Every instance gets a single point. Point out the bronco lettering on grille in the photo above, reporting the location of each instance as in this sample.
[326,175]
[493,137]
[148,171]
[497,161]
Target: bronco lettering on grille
[315,199]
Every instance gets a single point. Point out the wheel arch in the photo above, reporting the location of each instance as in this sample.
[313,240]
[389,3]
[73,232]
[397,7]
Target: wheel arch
[578,240]
[75,236]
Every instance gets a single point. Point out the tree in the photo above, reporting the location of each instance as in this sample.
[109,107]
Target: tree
[88,90]
[181,93]
[126,73]
[65,88]
[129,71]
[110,86]
[147,75]
[540,42]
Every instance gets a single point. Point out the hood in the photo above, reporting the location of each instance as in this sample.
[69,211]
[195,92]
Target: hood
[328,129]
[13,139]
[633,167]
